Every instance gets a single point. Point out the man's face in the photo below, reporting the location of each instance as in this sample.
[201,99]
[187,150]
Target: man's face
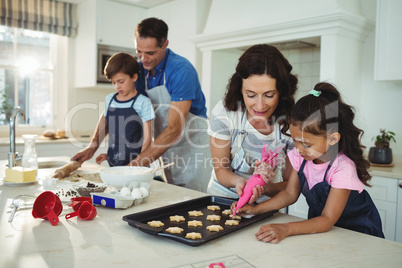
[149,53]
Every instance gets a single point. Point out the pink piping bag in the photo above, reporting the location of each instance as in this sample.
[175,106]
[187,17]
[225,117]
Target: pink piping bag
[267,156]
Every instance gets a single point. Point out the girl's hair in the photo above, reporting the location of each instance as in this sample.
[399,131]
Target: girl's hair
[326,112]
[260,60]
[121,62]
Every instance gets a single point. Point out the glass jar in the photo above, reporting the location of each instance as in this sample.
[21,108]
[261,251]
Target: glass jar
[30,157]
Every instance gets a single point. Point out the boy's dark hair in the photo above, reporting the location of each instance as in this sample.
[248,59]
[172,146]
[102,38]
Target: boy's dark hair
[153,27]
[260,60]
[121,62]
[328,113]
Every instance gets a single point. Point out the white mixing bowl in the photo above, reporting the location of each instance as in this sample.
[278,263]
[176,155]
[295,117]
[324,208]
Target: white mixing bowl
[124,175]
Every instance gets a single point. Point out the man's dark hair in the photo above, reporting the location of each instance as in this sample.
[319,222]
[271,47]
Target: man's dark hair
[153,27]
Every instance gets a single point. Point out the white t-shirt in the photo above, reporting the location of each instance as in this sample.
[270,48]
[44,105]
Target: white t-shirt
[225,125]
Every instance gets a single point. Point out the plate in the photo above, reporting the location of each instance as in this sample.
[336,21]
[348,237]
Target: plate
[8,183]
[140,219]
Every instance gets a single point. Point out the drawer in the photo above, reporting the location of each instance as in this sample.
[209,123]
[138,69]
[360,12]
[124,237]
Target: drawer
[384,189]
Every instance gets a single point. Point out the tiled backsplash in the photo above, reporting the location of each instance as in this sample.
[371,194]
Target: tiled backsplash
[306,65]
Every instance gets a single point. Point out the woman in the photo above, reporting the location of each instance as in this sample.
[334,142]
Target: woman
[255,110]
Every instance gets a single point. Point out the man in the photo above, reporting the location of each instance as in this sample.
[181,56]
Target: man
[172,84]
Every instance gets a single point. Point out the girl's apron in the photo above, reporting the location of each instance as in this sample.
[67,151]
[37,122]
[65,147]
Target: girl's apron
[125,134]
[359,214]
[191,154]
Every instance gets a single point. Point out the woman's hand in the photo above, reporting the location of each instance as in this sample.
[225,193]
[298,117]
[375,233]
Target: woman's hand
[264,170]
[272,233]
[101,158]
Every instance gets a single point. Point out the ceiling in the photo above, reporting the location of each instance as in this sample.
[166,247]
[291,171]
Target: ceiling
[138,3]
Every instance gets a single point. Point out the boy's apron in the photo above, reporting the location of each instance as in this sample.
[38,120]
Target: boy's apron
[359,214]
[191,154]
[125,134]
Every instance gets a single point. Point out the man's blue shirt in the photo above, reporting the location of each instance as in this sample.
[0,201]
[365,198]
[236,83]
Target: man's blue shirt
[181,78]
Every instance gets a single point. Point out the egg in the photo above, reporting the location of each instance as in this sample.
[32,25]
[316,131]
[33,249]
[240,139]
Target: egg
[145,184]
[125,191]
[144,191]
[136,193]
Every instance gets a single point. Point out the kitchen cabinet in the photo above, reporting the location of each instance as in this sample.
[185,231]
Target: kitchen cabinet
[384,192]
[388,56]
[102,22]
[386,197]
[300,208]
[398,231]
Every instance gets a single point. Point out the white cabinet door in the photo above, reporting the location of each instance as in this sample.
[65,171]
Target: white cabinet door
[384,193]
[300,208]
[388,56]
[116,23]
[398,232]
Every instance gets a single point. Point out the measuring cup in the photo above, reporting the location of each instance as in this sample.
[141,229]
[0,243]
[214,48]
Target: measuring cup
[47,206]
[86,212]
[76,202]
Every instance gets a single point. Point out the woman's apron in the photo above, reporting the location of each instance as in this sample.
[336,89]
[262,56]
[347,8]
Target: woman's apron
[125,134]
[191,154]
[359,214]
[238,165]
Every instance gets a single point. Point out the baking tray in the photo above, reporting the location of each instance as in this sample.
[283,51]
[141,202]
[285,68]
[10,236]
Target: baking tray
[140,219]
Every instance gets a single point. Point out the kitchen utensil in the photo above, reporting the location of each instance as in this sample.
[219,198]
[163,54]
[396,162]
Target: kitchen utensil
[65,170]
[19,203]
[124,175]
[47,206]
[76,202]
[140,219]
[86,212]
[159,168]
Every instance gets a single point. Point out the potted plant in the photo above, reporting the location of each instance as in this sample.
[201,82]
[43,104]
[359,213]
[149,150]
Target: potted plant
[381,153]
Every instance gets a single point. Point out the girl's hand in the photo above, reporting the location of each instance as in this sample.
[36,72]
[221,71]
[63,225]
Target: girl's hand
[272,233]
[264,170]
[101,158]
[244,211]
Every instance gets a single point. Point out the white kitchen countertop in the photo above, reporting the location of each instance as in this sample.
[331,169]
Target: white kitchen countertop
[108,241]
[390,172]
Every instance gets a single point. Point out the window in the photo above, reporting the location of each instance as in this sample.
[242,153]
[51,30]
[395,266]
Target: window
[26,75]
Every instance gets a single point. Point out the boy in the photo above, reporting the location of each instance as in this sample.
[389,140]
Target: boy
[127,118]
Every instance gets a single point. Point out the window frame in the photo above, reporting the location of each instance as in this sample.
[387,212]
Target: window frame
[59,62]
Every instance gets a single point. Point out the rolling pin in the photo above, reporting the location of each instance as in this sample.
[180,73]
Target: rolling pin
[65,170]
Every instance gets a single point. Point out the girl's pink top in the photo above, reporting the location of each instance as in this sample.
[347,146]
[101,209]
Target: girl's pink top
[341,175]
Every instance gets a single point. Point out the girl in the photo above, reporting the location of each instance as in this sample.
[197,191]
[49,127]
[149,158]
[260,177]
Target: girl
[328,168]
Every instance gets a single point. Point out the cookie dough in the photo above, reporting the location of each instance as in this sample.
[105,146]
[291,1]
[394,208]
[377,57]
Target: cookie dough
[213,207]
[155,223]
[174,230]
[193,235]
[194,223]
[214,228]
[231,222]
[177,218]
[213,218]
[195,213]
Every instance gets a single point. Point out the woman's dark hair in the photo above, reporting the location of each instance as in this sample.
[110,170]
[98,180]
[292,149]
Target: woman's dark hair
[121,62]
[153,27]
[327,113]
[260,60]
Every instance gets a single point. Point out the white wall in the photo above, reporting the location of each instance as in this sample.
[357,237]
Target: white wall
[377,103]
[380,101]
